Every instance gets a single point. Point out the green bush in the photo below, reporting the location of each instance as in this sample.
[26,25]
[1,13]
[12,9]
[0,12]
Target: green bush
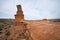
[0,29]
[0,32]
[8,33]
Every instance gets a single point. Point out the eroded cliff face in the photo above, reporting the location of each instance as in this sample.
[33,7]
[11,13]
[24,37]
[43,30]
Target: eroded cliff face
[19,30]
[37,30]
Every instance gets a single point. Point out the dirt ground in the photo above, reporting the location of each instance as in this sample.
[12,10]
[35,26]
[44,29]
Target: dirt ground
[44,30]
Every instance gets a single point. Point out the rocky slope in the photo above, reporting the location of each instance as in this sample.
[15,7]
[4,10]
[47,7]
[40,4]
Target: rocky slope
[39,30]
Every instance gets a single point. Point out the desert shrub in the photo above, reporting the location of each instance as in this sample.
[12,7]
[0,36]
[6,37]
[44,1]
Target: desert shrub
[8,33]
[0,32]
[0,29]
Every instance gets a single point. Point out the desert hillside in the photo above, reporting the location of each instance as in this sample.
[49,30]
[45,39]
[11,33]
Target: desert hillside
[39,30]
[44,30]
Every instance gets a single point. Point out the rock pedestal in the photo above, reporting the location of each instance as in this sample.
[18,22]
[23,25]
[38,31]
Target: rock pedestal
[20,31]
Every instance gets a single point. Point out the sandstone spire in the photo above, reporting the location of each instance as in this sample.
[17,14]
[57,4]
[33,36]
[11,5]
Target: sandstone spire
[19,17]
[21,30]
[19,8]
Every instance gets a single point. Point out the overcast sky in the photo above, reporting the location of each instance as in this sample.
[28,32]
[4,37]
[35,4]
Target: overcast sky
[32,9]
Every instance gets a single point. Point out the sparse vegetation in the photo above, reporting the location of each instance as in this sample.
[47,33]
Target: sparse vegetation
[0,33]
[0,29]
[8,33]
[5,24]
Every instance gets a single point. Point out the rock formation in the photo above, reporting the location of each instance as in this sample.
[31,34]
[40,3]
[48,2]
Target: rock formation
[19,31]
[31,30]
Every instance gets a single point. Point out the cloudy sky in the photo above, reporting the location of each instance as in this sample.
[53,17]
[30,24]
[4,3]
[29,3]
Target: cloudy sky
[33,9]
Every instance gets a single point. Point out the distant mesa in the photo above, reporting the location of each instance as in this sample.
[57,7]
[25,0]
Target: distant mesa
[44,19]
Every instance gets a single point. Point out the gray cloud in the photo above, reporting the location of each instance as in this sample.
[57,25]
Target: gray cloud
[33,9]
